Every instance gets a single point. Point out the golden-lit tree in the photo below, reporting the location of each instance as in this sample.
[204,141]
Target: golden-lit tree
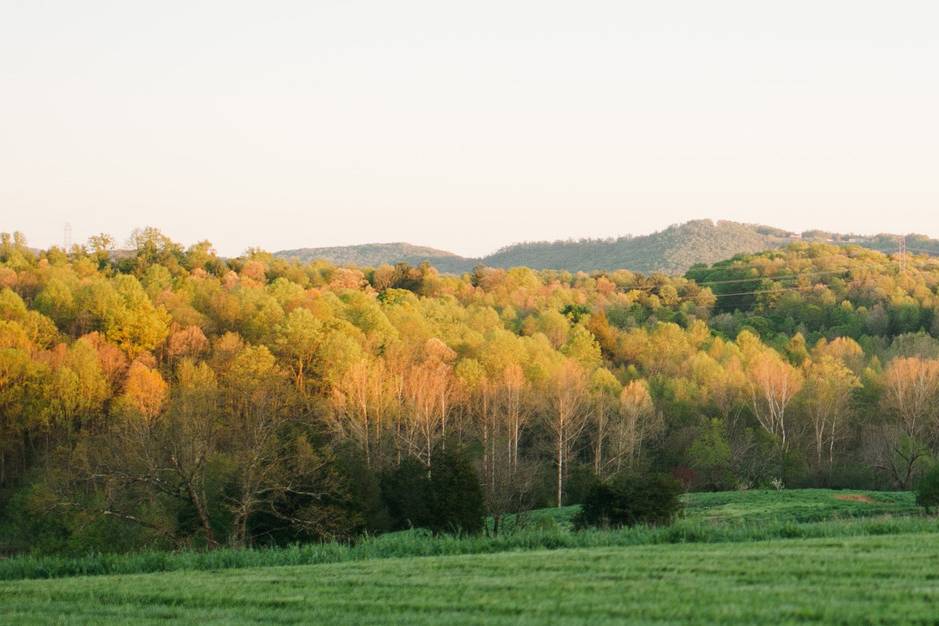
[637,422]
[774,384]
[605,391]
[429,388]
[359,403]
[145,391]
[910,394]
[566,415]
[515,407]
[827,395]
[911,400]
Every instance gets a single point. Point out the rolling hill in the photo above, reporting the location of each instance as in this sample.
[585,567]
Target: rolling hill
[374,254]
[671,251]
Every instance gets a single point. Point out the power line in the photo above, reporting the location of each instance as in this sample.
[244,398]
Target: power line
[923,251]
[762,291]
[708,283]
[749,293]
[903,254]
[781,277]
[776,290]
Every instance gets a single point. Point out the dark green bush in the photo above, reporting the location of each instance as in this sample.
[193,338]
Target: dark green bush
[629,499]
[458,501]
[577,486]
[364,491]
[406,494]
[445,498]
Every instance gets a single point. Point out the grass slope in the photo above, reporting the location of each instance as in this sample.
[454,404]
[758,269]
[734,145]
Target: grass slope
[890,579]
[790,505]
[709,518]
[797,505]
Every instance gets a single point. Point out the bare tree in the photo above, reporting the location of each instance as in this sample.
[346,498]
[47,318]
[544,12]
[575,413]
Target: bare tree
[604,390]
[429,390]
[567,415]
[359,402]
[515,405]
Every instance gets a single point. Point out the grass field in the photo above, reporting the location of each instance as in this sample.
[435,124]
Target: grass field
[792,505]
[853,558]
[849,581]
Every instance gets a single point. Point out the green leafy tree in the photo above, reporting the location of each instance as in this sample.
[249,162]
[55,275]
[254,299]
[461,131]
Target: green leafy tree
[711,457]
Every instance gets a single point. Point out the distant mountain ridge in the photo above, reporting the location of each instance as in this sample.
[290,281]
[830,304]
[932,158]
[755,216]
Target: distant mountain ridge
[672,250]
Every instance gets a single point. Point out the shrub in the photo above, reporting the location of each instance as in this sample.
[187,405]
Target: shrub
[927,489]
[629,499]
[458,503]
[406,494]
[447,497]
[363,490]
[577,485]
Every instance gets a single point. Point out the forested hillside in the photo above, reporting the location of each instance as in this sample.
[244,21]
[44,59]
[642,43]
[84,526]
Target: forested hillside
[375,254]
[672,251]
[171,398]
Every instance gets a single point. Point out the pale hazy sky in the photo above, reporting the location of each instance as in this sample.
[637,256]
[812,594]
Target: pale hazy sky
[464,125]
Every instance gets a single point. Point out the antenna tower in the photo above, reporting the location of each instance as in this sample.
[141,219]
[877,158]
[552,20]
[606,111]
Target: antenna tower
[67,239]
[901,253]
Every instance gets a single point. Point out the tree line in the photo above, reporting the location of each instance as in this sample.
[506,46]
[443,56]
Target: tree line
[164,396]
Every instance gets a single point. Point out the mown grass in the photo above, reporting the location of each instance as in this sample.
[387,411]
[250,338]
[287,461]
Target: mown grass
[848,580]
[711,518]
[788,505]
[798,505]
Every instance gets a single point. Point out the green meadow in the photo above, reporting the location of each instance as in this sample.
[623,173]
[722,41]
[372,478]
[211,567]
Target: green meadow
[735,557]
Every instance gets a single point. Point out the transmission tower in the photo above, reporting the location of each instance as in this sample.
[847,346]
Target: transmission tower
[901,253]
[67,239]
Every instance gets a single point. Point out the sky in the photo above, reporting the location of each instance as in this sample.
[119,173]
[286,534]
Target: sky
[464,125]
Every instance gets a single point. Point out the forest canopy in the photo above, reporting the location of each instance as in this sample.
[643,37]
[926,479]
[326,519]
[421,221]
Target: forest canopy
[167,397]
